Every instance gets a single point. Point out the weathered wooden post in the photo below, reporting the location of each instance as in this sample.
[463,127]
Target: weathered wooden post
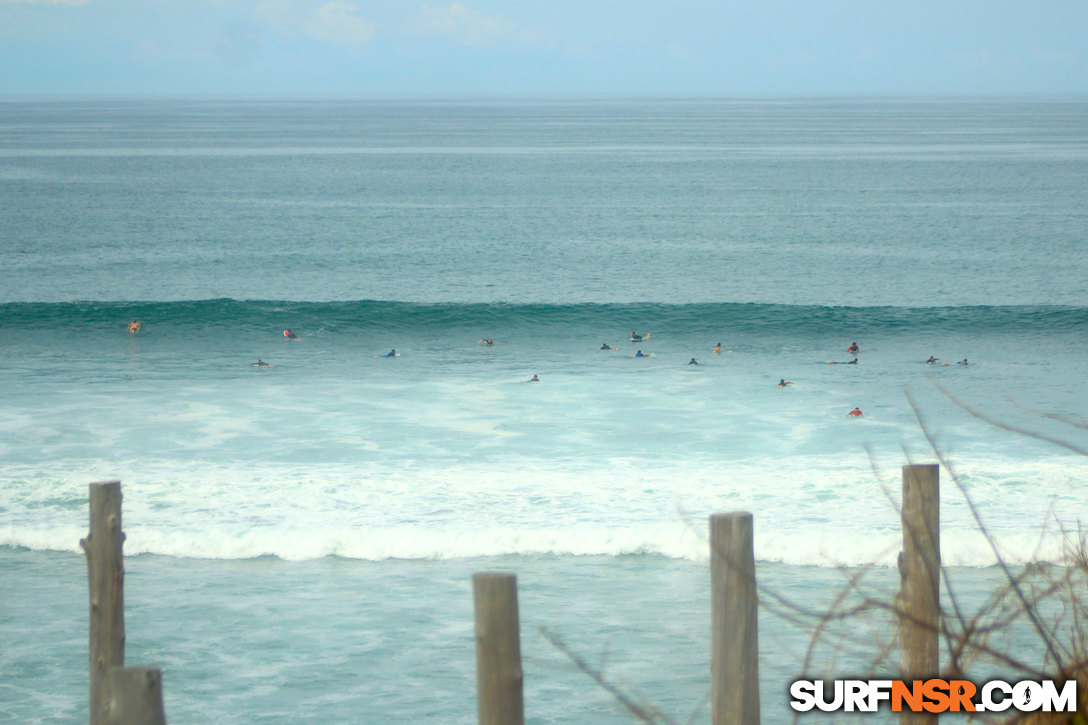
[734,658]
[106,578]
[135,696]
[920,580]
[498,649]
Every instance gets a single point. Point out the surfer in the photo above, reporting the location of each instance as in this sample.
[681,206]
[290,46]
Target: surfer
[534,379]
[856,413]
[782,382]
[639,354]
[853,348]
[290,335]
[635,337]
[962,362]
[932,360]
[391,353]
[843,362]
[134,327]
[606,346]
[718,348]
[693,361]
[486,341]
[260,364]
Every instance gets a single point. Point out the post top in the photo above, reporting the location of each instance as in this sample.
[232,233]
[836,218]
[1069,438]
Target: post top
[732,515]
[493,575]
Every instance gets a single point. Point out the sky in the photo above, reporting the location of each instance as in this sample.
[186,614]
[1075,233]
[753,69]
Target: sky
[909,47]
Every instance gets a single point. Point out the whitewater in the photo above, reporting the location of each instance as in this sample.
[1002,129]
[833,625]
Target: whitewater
[301,535]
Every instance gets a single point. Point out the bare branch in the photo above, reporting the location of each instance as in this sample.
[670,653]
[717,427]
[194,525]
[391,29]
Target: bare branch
[641,711]
[1006,426]
[1028,608]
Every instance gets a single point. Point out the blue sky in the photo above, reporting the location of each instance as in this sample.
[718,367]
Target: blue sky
[953,47]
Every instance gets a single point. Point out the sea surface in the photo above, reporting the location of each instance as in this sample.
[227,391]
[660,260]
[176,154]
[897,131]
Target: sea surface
[301,535]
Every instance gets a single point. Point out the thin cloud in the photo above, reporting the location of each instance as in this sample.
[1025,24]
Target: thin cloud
[336,22]
[460,23]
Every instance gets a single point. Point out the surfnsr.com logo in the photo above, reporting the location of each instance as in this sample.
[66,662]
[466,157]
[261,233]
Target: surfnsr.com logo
[933,696]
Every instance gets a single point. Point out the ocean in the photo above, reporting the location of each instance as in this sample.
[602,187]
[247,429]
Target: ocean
[301,535]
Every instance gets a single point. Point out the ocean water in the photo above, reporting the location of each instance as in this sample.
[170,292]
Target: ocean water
[301,536]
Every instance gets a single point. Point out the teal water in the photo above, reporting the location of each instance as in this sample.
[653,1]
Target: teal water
[301,536]
[794,201]
[335,640]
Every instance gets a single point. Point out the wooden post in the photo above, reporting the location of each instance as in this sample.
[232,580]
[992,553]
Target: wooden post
[135,696]
[734,657]
[105,575]
[498,650]
[920,580]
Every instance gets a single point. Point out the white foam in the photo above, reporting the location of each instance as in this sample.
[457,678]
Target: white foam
[808,510]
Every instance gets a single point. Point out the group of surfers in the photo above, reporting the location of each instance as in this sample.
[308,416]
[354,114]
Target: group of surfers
[854,350]
[135,327]
[935,360]
[782,382]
